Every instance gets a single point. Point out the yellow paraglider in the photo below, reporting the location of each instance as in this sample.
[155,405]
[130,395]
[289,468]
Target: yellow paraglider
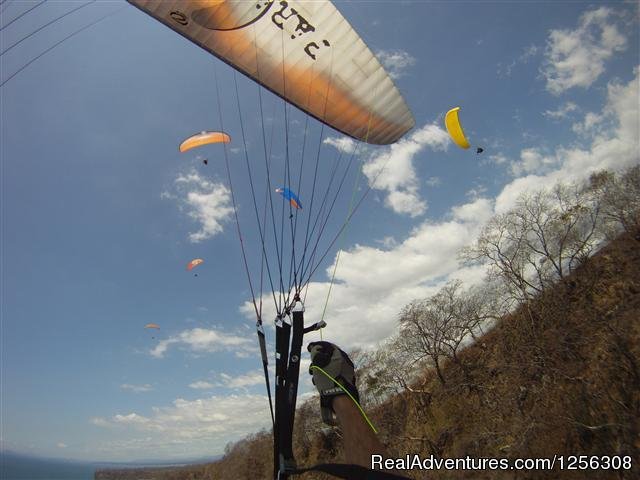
[452,122]
[204,138]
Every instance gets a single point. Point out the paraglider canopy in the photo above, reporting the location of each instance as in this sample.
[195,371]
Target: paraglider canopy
[289,195]
[152,325]
[322,67]
[204,138]
[194,263]
[452,123]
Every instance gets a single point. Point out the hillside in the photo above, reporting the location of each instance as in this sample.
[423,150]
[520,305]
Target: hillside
[559,376]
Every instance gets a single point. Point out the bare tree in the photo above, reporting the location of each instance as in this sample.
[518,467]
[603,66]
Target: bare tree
[544,237]
[384,372]
[481,306]
[620,199]
[436,328]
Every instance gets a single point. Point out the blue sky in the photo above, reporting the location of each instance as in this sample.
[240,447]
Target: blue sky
[100,213]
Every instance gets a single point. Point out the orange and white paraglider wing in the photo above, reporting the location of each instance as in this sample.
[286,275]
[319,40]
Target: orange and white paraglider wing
[304,51]
[152,325]
[203,138]
[194,263]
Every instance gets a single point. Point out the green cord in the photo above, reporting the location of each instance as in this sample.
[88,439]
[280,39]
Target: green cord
[364,415]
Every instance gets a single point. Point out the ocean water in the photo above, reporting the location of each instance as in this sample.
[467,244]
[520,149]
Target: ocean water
[19,467]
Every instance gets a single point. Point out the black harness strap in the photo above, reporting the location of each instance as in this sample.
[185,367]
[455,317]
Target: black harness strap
[280,435]
[265,364]
[287,374]
[293,369]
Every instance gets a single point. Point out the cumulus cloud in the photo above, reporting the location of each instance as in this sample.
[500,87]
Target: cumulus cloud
[205,201]
[241,381]
[202,340]
[576,58]
[130,419]
[344,144]
[136,388]
[588,125]
[395,62]
[393,170]
[249,379]
[562,112]
[388,242]
[497,159]
[186,427]
[532,160]
[478,191]
[99,422]
[372,284]
[433,182]
[201,385]
[614,148]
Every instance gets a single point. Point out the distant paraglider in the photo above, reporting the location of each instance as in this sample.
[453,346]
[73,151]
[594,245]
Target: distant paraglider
[193,264]
[289,195]
[454,128]
[152,326]
[203,138]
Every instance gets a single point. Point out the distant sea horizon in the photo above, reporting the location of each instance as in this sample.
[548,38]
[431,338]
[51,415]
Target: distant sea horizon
[17,466]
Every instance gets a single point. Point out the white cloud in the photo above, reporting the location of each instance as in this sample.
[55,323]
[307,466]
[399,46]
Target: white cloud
[477,192]
[527,54]
[497,158]
[206,202]
[201,340]
[186,427]
[242,381]
[562,112]
[388,242]
[393,170]
[249,379]
[99,422]
[61,445]
[201,385]
[344,144]
[433,182]
[576,58]
[615,148]
[136,388]
[373,284]
[588,126]
[130,419]
[532,161]
[395,62]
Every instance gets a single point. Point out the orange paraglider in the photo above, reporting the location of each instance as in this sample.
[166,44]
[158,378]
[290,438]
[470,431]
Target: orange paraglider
[203,138]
